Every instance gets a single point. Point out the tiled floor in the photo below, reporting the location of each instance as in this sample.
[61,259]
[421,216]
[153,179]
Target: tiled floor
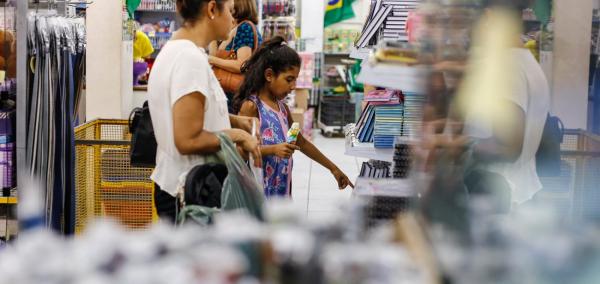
[314,188]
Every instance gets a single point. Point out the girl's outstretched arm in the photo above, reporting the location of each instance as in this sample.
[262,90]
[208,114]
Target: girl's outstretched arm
[310,150]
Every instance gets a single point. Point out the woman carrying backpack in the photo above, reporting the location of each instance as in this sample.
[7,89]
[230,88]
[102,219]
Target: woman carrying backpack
[182,83]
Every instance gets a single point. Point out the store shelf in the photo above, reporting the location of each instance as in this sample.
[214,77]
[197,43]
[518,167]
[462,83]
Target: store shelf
[360,53]
[394,76]
[368,150]
[366,187]
[336,54]
[141,88]
[8,200]
[365,150]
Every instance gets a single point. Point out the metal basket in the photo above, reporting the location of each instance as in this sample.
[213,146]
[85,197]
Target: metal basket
[106,184]
[576,192]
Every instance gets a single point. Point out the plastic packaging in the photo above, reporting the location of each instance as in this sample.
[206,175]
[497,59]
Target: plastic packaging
[240,189]
[292,134]
[258,172]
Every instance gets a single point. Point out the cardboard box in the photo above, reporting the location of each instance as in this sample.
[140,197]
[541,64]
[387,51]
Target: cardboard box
[302,98]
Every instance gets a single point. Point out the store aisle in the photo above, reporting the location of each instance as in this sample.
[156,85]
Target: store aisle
[314,188]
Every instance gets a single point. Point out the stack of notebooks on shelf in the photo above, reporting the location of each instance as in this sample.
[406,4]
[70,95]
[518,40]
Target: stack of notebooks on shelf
[386,21]
[376,99]
[389,114]
[375,169]
[388,125]
[402,160]
[395,24]
[413,113]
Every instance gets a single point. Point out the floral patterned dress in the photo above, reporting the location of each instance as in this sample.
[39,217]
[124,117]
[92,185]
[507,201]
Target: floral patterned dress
[274,127]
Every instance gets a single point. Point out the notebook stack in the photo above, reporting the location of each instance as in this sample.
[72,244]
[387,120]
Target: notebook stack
[375,99]
[395,24]
[376,169]
[388,125]
[413,114]
[402,160]
[386,21]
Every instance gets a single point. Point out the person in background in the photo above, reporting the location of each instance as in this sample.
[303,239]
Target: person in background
[241,40]
[186,102]
[503,131]
[270,76]
[509,149]
[142,48]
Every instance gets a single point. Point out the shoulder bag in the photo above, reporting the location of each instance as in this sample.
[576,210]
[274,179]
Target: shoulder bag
[230,81]
[143,142]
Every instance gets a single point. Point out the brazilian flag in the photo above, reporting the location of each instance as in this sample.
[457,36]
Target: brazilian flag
[337,11]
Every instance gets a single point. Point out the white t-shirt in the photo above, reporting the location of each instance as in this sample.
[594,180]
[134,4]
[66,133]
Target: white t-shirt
[532,94]
[180,69]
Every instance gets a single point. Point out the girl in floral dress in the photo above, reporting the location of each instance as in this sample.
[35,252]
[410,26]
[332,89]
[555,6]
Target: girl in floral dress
[270,75]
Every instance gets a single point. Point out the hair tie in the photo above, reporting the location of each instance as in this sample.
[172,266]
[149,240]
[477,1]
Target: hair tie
[283,43]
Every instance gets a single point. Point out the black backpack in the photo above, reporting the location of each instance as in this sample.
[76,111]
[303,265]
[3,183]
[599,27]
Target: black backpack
[547,156]
[203,185]
[143,141]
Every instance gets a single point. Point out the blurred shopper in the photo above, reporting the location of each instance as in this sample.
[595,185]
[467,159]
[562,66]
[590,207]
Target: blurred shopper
[510,122]
[187,103]
[229,56]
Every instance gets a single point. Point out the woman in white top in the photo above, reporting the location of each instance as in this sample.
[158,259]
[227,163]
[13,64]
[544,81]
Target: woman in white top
[187,103]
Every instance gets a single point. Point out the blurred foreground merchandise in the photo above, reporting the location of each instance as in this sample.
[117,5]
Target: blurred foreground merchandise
[529,246]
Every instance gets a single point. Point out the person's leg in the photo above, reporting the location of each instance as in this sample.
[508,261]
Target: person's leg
[165,205]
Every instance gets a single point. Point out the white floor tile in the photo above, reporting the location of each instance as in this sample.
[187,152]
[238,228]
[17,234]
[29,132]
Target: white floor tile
[315,189]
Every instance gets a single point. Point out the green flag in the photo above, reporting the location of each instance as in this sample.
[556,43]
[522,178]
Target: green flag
[132,6]
[337,11]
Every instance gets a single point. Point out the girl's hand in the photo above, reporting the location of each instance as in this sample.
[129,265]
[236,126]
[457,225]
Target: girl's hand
[284,150]
[342,180]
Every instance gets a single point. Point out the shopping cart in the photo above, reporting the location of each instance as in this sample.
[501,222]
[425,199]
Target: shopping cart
[106,184]
[576,192]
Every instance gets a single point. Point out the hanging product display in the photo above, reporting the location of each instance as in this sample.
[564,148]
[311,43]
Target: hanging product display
[279,19]
[7,137]
[282,27]
[151,5]
[279,8]
[56,49]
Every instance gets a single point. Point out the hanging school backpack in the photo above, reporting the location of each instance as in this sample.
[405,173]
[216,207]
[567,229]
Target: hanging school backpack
[548,154]
[143,142]
[225,175]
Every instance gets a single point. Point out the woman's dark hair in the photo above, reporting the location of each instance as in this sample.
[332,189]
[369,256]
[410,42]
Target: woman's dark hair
[245,10]
[190,10]
[274,54]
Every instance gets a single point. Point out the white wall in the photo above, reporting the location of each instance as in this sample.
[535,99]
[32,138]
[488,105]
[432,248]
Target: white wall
[572,31]
[313,13]
[104,60]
